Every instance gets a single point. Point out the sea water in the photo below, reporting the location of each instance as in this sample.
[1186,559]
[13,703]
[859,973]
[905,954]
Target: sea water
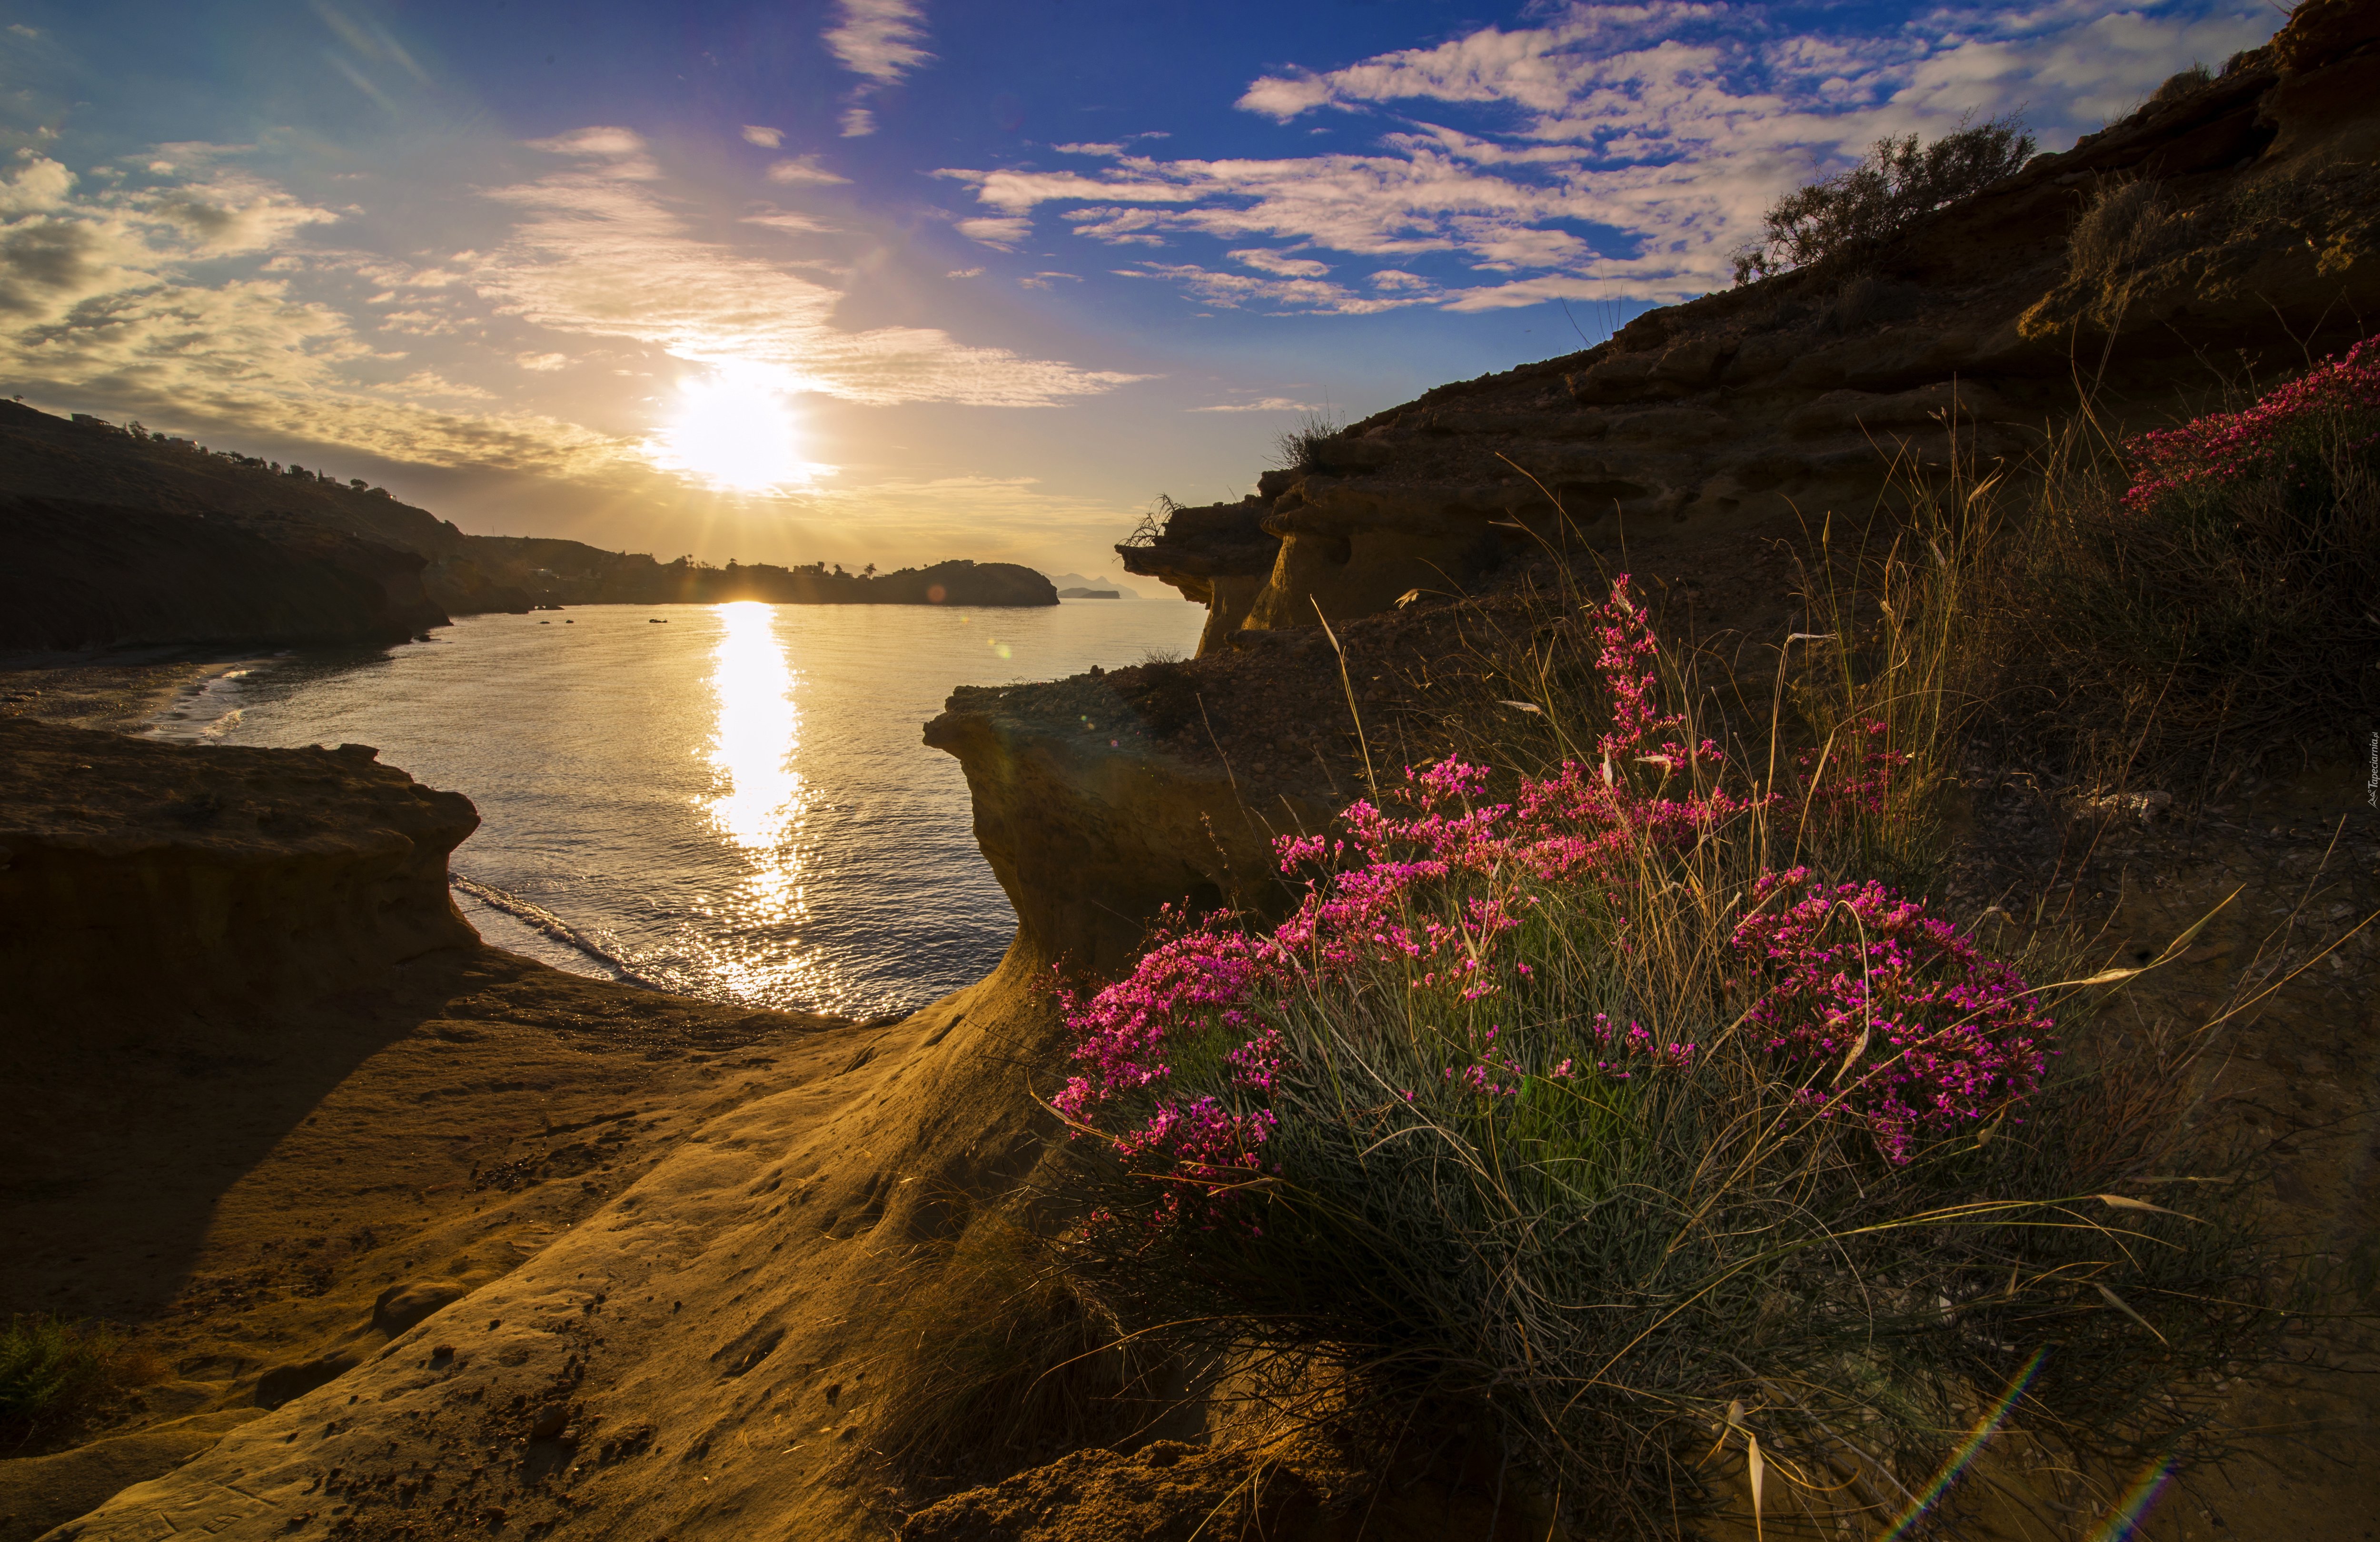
[731,800]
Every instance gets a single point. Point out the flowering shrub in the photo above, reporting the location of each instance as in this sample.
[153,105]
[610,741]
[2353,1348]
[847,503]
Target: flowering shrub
[1925,1032]
[2267,439]
[1854,776]
[1547,1095]
[1457,906]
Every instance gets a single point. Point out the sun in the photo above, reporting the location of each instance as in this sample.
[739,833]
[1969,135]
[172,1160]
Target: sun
[732,428]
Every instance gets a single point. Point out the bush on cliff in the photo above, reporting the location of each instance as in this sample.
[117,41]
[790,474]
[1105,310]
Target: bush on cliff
[2186,602]
[1847,218]
[1618,1098]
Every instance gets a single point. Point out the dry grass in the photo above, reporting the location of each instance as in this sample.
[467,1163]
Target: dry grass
[2183,647]
[59,1376]
[1638,1280]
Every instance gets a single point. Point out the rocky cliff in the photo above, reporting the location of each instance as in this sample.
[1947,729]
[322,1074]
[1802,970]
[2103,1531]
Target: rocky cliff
[2235,221]
[239,876]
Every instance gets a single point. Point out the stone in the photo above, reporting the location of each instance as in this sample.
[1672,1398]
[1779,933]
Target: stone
[283,1383]
[409,1301]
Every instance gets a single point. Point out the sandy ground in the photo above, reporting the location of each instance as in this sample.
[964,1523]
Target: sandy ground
[242,1195]
[118,691]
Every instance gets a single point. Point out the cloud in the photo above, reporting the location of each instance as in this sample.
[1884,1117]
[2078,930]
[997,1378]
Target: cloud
[799,225]
[1280,262]
[1237,291]
[598,252]
[542,362]
[1002,233]
[1612,149]
[1270,404]
[614,143]
[1089,149]
[965,273]
[1041,281]
[766,138]
[803,168]
[878,39]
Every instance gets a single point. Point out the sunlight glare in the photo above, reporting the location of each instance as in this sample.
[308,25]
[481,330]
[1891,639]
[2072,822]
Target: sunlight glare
[759,731]
[763,806]
[732,428]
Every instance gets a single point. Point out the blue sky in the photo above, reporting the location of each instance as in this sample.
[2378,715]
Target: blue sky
[893,280]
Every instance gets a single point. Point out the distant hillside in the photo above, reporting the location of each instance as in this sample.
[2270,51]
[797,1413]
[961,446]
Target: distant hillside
[83,574]
[572,573]
[116,535]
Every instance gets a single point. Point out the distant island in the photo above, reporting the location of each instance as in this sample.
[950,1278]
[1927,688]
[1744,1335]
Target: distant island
[115,536]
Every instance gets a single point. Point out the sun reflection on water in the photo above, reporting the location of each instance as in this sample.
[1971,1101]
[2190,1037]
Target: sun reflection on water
[761,804]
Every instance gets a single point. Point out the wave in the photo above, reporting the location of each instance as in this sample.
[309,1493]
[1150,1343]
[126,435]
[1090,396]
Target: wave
[541,919]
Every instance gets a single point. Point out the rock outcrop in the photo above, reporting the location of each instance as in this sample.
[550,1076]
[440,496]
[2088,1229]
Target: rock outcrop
[2236,220]
[133,871]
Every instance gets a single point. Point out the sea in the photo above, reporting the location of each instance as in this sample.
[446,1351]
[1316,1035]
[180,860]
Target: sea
[732,801]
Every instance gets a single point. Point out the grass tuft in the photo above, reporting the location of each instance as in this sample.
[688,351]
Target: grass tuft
[59,1376]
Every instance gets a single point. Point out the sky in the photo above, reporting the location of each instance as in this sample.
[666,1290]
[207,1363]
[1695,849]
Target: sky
[894,281]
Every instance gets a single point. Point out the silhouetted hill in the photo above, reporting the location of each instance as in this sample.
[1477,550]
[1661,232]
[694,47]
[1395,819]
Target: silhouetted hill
[116,535]
[82,574]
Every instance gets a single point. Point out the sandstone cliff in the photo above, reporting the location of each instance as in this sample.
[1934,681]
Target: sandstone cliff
[243,877]
[2235,222]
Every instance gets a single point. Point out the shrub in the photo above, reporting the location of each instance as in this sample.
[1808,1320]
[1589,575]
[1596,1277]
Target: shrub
[1846,219]
[2192,600]
[1299,448]
[1570,1102]
[56,1375]
[2124,223]
[2180,84]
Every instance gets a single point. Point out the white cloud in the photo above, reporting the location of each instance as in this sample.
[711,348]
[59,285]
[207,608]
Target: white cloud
[1089,149]
[1002,233]
[1614,149]
[878,39]
[544,363]
[1237,291]
[616,144]
[763,136]
[1270,404]
[965,273]
[798,224]
[803,168]
[598,252]
[1280,262]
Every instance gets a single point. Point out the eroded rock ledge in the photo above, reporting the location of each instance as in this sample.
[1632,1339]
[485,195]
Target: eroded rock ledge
[138,871]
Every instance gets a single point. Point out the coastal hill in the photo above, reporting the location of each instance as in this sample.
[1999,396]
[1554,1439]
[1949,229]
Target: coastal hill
[117,535]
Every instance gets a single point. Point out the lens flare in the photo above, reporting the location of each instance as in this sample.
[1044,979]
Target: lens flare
[733,429]
[2124,1521]
[1923,1499]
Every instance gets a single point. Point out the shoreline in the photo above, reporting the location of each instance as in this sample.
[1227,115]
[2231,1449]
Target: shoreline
[117,692]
